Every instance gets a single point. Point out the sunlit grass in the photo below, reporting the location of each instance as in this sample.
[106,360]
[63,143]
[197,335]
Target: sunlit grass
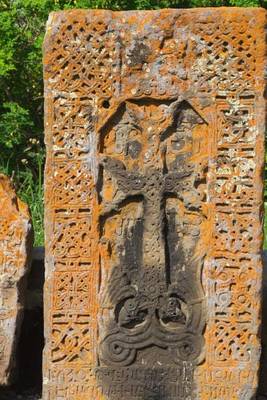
[31,193]
[29,189]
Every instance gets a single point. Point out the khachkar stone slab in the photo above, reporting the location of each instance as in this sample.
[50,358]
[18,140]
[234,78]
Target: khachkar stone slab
[154,133]
[15,252]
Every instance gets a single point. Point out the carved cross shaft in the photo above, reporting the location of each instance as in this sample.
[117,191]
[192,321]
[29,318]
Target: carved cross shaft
[154,187]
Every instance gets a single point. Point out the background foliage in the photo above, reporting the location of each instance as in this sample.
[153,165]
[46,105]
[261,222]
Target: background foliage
[22,27]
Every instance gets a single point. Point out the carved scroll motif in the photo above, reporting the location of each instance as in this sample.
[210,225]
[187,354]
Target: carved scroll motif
[153,284]
[154,132]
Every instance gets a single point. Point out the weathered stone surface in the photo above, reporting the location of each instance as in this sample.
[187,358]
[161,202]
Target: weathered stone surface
[262,389]
[154,132]
[15,251]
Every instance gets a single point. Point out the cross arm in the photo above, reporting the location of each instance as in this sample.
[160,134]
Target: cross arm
[129,184]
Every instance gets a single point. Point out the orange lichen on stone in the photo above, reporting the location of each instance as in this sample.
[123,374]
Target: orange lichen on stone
[154,133]
[15,251]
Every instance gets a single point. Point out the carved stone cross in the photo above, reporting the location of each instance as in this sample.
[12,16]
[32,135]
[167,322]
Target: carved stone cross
[155,150]
[153,310]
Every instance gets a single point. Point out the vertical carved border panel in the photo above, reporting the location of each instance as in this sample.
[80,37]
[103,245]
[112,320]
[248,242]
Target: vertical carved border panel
[93,62]
[74,80]
[232,277]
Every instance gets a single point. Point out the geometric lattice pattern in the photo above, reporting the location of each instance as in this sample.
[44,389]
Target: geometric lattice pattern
[154,132]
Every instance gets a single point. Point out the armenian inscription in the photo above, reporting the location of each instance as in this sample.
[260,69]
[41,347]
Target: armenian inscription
[154,132]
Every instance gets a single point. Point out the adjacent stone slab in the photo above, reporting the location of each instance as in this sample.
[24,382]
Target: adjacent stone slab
[15,251]
[154,133]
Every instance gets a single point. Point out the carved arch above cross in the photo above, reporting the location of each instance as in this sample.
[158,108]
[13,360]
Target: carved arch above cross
[145,152]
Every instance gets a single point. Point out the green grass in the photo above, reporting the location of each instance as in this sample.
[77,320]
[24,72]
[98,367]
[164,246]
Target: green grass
[32,194]
[29,188]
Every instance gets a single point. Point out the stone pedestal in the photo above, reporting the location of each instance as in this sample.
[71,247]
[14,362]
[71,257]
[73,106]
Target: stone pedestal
[15,252]
[154,133]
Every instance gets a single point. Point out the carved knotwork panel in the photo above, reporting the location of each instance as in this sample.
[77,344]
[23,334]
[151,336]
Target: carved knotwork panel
[151,197]
[154,132]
